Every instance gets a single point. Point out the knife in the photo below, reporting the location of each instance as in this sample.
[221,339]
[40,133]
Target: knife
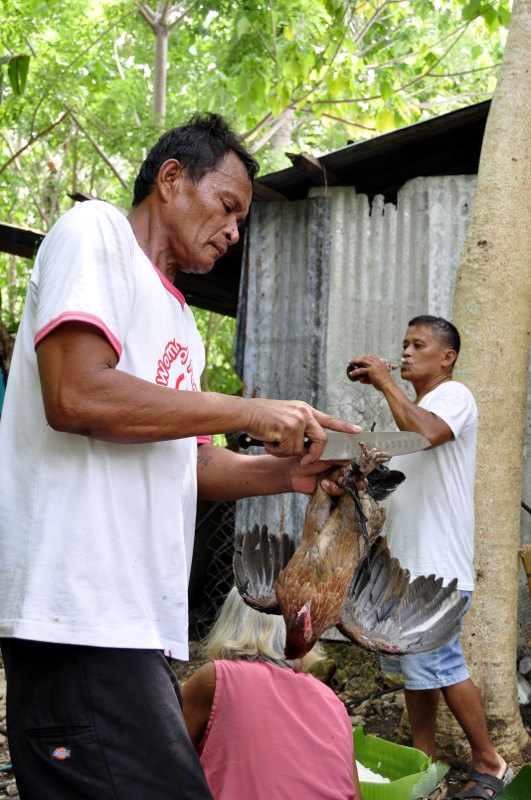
[346,445]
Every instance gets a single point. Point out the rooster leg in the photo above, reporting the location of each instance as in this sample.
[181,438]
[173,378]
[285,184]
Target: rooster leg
[367,461]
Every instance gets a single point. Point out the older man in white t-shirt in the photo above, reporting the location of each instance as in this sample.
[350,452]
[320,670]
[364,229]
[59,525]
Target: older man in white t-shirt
[106,441]
[430,529]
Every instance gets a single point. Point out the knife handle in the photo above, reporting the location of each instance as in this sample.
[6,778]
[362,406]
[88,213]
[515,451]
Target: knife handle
[245,441]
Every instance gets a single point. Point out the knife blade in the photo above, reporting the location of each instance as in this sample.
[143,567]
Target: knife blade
[346,445]
[396,443]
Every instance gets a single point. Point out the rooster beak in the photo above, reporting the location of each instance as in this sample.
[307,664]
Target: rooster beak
[304,612]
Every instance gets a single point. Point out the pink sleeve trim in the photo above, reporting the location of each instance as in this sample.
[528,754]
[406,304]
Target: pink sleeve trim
[77,316]
[169,286]
[204,439]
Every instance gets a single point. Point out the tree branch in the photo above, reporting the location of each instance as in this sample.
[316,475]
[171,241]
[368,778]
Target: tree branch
[273,34]
[271,132]
[464,72]
[147,15]
[33,139]
[20,171]
[179,19]
[100,152]
[258,127]
[350,123]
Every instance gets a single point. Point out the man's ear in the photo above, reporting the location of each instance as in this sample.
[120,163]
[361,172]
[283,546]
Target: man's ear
[450,357]
[169,174]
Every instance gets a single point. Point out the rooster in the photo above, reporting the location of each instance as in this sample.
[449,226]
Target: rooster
[342,573]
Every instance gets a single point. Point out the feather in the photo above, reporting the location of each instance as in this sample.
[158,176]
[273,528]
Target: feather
[256,567]
[382,481]
[386,612]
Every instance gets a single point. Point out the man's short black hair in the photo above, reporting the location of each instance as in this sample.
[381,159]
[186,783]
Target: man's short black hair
[199,146]
[447,333]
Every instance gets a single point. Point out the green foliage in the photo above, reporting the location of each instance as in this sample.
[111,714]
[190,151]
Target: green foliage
[14,280]
[217,332]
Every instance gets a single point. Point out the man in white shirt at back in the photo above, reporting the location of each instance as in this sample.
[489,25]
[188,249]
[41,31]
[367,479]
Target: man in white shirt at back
[430,529]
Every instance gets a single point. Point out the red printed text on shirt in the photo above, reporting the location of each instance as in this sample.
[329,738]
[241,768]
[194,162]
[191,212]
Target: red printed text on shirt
[175,367]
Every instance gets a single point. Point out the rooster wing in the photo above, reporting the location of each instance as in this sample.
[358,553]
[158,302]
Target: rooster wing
[386,612]
[256,567]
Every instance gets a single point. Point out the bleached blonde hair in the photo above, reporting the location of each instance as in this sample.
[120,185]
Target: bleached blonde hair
[240,632]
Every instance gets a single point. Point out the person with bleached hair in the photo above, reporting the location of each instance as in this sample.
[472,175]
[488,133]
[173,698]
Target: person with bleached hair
[262,725]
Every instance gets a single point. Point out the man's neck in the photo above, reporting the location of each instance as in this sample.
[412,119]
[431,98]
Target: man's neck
[429,385]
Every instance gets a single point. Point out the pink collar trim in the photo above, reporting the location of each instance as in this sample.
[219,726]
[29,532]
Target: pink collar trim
[169,286]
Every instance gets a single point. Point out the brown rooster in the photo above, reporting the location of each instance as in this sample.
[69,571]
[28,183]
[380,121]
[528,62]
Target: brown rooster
[342,573]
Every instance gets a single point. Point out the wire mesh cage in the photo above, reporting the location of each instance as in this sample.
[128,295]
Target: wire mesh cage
[212,575]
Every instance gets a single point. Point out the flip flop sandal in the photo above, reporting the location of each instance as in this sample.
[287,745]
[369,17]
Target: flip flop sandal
[487,786]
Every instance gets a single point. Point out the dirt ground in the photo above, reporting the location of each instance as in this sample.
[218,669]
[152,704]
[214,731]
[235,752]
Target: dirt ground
[373,702]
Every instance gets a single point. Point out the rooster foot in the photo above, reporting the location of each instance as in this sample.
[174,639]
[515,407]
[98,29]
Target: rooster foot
[370,459]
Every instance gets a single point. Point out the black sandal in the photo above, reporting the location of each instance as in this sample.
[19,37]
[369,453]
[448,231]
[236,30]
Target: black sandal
[487,787]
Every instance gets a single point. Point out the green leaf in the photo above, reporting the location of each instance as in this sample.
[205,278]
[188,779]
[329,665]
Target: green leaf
[410,772]
[386,90]
[243,26]
[17,70]
[520,786]
[425,10]
[491,18]
[430,58]
[471,10]
[505,16]
[385,121]
[288,33]
[339,86]
[290,69]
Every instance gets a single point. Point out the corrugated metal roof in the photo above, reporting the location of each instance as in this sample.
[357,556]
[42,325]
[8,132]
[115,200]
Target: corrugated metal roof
[445,145]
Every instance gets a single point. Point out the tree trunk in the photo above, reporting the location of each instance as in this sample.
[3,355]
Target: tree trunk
[492,310]
[159,77]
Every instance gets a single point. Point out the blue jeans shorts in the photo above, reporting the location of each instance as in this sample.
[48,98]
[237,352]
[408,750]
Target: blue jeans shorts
[435,669]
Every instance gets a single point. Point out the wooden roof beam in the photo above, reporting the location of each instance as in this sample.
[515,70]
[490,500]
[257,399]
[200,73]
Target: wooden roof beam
[316,171]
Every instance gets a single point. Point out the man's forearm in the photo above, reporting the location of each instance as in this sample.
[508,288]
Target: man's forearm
[225,475]
[410,417]
[405,411]
[84,392]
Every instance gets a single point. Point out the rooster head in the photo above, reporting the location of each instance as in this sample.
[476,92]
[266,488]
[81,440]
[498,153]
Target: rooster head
[300,636]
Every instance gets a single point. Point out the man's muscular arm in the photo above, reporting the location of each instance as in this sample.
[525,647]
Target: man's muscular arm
[84,393]
[407,414]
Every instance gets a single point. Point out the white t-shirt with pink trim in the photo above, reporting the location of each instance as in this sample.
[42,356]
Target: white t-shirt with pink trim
[96,538]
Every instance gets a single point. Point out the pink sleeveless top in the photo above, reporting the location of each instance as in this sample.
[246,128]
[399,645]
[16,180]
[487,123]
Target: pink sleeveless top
[275,734]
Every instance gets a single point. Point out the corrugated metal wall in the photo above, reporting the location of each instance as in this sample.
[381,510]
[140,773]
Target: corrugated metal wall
[332,277]
[287,312]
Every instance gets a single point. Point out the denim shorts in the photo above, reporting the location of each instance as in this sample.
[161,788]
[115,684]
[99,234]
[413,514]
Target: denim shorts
[435,669]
